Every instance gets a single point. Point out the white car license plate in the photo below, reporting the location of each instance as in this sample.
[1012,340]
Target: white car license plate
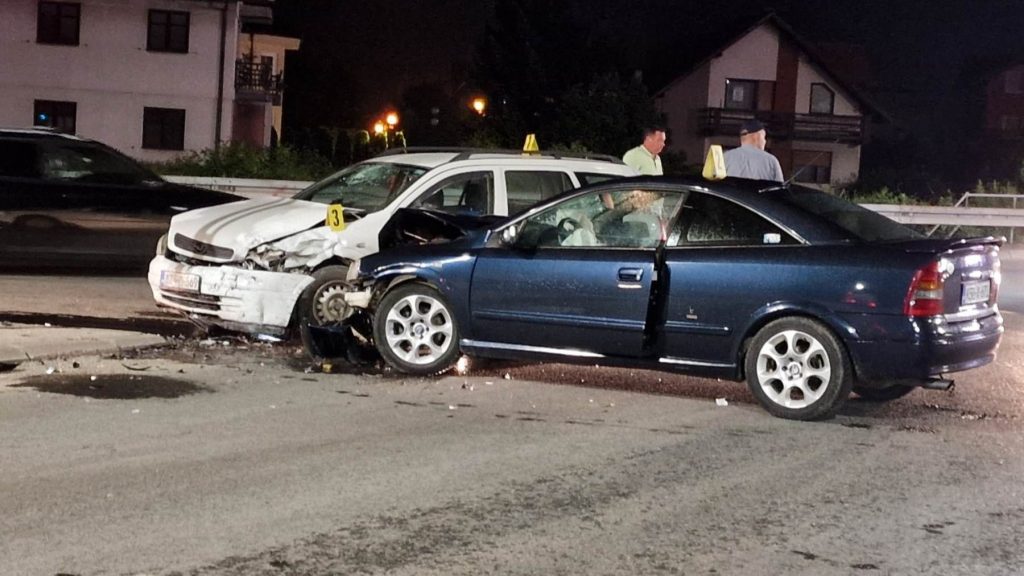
[974,292]
[179,281]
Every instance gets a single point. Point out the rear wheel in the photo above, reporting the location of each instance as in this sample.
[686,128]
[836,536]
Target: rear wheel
[415,330]
[797,369]
[883,394]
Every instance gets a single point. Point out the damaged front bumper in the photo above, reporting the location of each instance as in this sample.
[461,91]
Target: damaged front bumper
[254,301]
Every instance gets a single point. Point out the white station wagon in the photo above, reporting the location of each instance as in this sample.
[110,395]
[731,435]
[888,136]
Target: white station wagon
[264,265]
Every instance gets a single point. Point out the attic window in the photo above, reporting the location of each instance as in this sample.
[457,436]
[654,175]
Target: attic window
[740,94]
[823,99]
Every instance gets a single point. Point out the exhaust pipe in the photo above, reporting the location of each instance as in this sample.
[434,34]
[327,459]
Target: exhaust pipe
[938,384]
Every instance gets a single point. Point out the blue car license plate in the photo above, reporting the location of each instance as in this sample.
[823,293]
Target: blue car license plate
[974,292]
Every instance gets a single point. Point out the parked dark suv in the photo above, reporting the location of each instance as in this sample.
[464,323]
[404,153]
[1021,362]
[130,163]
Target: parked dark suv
[70,202]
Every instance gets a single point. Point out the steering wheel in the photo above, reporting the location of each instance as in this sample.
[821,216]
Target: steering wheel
[566,226]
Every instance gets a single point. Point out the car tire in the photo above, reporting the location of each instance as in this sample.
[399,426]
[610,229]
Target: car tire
[415,331]
[798,370]
[322,302]
[886,394]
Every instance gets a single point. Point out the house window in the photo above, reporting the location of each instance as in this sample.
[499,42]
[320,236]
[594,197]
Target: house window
[163,129]
[54,114]
[812,167]
[168,31]
[823,99]
[741,94]
[1014,85]
[58,23]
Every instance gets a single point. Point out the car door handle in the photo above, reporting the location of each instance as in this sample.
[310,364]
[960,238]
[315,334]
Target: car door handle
[631,274]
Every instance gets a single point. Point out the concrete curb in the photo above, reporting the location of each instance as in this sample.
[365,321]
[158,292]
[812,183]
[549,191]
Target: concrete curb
[23,342]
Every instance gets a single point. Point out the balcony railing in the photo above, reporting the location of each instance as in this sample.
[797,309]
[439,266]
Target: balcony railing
[783,125]
[257,80]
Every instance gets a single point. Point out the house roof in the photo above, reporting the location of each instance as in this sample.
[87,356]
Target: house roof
[711,46]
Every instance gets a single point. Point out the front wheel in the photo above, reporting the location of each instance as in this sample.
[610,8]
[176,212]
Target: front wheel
[798,370]
[323,301]
[415,330]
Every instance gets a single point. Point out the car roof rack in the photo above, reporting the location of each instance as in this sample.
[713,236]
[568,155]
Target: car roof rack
[462,153]
[38,131]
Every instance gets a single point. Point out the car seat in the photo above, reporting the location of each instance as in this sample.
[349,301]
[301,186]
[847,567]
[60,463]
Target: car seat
[474,197]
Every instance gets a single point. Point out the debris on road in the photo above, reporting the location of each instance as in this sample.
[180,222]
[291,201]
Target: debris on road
[721,402]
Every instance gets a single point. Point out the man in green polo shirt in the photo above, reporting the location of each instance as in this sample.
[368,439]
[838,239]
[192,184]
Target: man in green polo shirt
[644,158]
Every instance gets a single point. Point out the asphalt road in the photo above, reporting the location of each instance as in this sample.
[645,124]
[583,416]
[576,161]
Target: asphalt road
[229,458]
[247,464]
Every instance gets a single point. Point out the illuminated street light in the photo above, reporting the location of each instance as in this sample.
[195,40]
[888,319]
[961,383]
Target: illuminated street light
[391,119]
[378,128]
[479,105]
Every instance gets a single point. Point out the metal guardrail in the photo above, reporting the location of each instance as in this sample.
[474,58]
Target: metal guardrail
[248,187]
[935,216]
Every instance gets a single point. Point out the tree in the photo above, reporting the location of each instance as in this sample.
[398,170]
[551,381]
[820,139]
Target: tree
[544,73]
[605,115]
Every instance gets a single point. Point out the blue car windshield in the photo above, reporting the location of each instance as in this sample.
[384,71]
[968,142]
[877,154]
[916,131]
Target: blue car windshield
[857,221]
[367,186]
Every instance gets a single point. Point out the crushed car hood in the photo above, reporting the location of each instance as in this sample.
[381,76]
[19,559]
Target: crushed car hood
[241,226]
[417,226]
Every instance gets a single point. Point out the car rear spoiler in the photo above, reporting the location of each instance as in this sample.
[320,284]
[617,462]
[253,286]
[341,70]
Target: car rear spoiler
[939,245]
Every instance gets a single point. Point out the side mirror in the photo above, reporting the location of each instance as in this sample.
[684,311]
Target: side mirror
[509,235]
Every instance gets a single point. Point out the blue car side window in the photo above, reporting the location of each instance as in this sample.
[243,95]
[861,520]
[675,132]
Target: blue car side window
[615,219]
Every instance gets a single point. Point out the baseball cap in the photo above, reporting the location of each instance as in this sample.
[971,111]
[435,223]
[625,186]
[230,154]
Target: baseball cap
[751,126]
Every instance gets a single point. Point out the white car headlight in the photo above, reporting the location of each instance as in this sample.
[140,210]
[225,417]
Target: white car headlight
[161,245]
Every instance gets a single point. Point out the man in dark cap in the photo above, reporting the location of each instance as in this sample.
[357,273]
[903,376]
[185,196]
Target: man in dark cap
[750,160]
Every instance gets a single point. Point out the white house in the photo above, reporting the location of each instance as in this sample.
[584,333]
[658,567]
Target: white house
[152,78]
[815,121]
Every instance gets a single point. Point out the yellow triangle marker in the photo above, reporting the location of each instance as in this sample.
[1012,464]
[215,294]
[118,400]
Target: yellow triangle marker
[714,165]
[530,146]
[336,217]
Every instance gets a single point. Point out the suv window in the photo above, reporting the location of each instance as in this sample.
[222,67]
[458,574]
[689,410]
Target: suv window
[18,159]
[469,193]
[368,186]
[89,162]
[524,188]
[588,178]
[710,220]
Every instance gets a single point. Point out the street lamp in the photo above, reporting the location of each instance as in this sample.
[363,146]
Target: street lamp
[479,105]
[391,119]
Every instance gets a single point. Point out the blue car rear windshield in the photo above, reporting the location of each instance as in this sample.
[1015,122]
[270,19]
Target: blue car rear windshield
[856,221]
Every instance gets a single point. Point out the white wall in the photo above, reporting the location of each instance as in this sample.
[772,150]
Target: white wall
[679,103]
[807,74]
[753,57]
[112,77]
[845,159]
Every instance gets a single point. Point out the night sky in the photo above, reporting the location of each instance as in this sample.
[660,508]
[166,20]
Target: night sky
[914,45]
[920,55]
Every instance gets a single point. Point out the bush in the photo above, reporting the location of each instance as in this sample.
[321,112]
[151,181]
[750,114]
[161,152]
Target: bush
[882,195]
[237,160]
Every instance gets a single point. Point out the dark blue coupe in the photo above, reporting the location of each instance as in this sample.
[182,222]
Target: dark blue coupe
[804,295]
